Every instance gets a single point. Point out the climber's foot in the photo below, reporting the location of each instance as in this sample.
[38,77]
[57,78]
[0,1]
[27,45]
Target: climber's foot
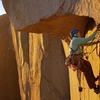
[96,78]
[97,90]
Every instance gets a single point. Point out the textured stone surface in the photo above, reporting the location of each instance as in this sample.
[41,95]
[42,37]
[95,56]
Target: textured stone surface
[40,57]
[41,73]
[9,88]
[26,13]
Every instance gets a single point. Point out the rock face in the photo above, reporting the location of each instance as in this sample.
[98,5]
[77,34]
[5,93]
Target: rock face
[9,88]
[41,73]
[41,16]
[40,57]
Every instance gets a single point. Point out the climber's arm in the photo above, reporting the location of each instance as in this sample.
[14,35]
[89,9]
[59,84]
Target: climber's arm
[90,43]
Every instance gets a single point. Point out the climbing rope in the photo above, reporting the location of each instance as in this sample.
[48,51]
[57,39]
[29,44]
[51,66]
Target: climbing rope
[98,45]
[98,53]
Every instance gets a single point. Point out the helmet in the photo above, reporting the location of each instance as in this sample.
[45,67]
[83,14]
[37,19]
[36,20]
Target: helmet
[73,32]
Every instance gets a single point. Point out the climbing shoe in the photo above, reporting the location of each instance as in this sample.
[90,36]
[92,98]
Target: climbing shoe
[96,78]
[97,90]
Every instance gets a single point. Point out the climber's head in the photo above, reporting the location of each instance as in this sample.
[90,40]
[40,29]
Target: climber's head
[74,33]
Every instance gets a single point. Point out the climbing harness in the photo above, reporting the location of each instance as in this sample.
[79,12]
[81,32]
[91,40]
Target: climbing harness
[73,60]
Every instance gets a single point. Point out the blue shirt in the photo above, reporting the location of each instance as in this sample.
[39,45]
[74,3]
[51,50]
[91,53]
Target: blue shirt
[77,43]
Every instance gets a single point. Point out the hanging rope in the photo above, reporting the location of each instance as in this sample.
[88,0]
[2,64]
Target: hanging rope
[98,45]
[98,53]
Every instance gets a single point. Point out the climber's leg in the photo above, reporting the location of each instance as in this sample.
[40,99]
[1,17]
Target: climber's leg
[88,73]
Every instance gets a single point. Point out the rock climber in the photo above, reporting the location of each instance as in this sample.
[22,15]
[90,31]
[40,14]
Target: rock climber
[76,60]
